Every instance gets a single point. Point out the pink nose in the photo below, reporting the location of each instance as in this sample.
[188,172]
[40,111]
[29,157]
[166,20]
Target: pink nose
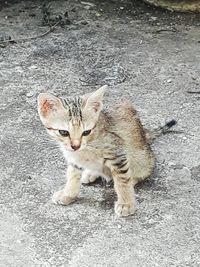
[75,147]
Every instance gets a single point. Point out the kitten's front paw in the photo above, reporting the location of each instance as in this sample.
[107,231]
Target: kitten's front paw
[60,198]
[124,210]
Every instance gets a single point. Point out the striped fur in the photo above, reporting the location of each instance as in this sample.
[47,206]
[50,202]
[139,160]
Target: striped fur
[73,105]
[111,144]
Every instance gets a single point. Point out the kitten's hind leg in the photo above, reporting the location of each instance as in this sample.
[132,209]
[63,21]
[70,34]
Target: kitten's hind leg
[71,190]
[88,177]
[125,205]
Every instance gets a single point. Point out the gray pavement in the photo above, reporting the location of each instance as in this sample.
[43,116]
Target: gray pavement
[147,55]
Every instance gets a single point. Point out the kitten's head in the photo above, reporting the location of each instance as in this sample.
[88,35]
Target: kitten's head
[71,121]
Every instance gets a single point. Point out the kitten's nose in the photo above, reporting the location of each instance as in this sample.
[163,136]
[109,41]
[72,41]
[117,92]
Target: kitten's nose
[75,144]
[75,147]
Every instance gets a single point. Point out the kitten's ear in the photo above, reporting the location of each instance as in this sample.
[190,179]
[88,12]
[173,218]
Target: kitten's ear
[94,100]
[48,103]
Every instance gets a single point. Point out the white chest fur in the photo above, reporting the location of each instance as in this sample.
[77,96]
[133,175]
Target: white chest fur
[85,158]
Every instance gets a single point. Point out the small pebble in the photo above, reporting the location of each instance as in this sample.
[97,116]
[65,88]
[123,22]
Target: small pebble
[119,226]
[87,7]
[169,80]
[84,22]
[30,94]
[154,18]
[98,14]
[33,67]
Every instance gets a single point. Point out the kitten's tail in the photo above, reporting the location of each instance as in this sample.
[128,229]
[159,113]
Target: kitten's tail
[152,135]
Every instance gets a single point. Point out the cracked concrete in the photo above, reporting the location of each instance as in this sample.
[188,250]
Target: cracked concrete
[158,68]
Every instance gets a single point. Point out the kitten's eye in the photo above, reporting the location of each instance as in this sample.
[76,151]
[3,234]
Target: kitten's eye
[86,132]
[63,133]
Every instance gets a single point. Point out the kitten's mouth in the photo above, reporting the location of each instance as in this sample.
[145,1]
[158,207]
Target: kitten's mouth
[75,149]
[71,149]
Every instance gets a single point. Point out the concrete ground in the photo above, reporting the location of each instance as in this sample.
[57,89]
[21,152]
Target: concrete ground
[148,55]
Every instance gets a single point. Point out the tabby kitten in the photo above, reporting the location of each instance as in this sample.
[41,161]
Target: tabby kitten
[95,142]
